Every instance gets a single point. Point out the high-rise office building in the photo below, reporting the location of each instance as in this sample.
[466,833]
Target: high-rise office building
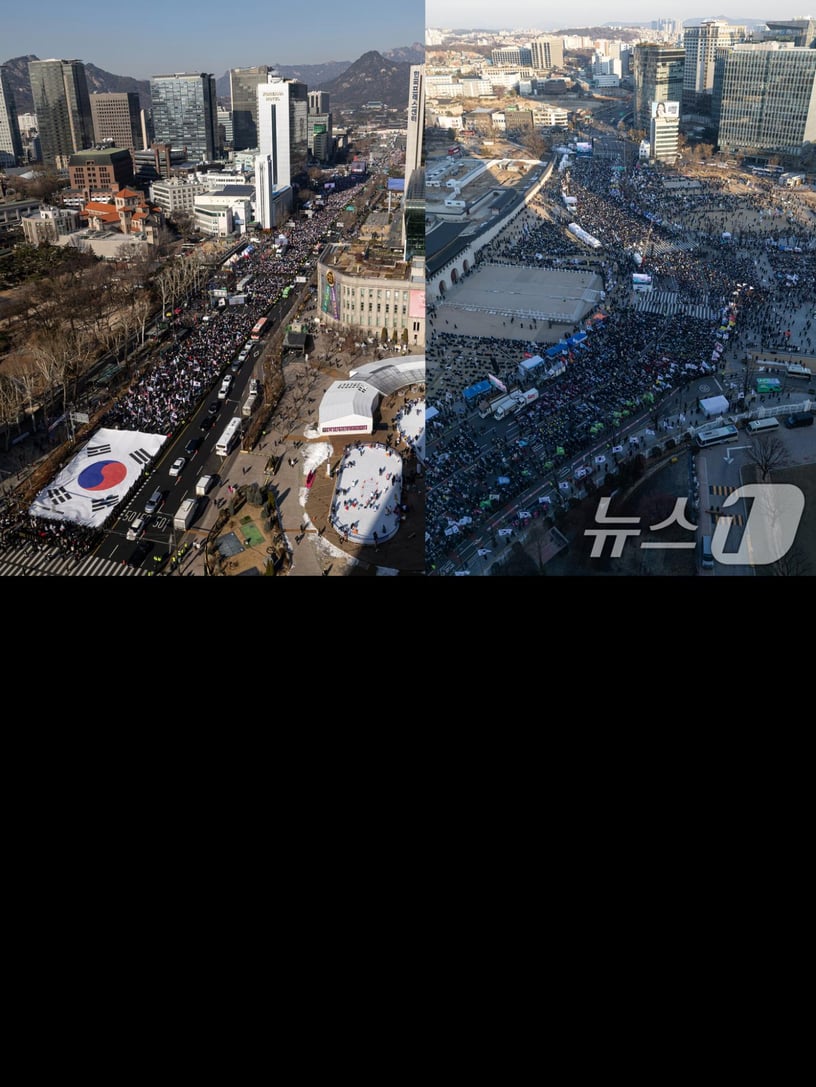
[321,136]
[319,101]
[63,109]
[413,209]
[664,131]
[273,201]
[416,119]
[244,83]
[225,129]
[801,32]
[765,98]
[11,144]
[185,112]
[547,53]
[700,45]
[658,71]
[283,132]
[117,116]
[513,56]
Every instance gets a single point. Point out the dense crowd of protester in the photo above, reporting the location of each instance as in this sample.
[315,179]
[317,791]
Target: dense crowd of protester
[764,273]
[169,389]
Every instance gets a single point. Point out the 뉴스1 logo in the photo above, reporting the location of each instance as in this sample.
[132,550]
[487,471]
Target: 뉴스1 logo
[771,528]
[773,521]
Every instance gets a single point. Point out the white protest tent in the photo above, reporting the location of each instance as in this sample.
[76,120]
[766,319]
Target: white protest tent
[714,405]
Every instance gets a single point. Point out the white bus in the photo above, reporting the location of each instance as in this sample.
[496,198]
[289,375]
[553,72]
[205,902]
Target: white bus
[757,426]
[232,432]
[793,369]
[719,434]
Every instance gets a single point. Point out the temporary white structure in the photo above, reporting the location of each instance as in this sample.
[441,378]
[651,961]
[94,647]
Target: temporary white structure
[714,405]
[348,408]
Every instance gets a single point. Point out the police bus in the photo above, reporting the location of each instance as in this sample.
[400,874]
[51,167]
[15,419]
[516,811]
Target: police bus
[717,435]
[227,442]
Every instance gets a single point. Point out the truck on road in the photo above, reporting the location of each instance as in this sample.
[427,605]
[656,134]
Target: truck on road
[185,514]
[513,403]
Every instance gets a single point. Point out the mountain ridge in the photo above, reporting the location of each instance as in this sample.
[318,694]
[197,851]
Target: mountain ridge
[316,76]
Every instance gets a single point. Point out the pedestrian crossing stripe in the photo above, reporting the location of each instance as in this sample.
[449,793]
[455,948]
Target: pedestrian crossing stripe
[737,518]
[720,488]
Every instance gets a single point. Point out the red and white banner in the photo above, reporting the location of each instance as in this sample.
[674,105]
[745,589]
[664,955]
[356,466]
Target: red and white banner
[495,381]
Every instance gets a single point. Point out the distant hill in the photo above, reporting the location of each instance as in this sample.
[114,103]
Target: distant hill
[317,76]
[351,83]
[98,80]
[410,54]
[372,78]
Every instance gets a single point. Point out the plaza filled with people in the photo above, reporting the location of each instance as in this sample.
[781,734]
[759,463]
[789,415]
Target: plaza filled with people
[740,267]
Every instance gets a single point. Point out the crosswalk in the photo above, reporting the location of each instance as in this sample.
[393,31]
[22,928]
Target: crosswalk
[736,518]
[721,490]
[670,303]
[25,560]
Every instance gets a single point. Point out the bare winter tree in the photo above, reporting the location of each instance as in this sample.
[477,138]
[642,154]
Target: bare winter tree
[767,452]
[12,401]
[794,564]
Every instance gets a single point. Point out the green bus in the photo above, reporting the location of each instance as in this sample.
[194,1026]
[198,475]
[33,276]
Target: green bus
[768,384]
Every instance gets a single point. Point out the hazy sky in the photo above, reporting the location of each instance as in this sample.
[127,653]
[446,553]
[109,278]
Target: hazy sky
[533,13]
[157,37]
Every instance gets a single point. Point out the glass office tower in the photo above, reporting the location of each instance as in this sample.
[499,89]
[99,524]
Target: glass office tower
[63,109]
[185,113]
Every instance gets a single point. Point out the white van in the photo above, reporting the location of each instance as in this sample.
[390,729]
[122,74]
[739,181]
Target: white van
[204,484]
[225,388]
[758,426]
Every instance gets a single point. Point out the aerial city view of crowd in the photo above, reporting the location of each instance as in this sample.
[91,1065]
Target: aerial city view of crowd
[719,255]
[167,392]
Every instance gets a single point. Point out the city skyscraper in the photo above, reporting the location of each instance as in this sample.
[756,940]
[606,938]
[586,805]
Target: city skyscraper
[11,144]
[700,45]
[116,116]
[244,83]
[547,53]
[63,109]
[185,113]
[765,98]
[283,131]
[658,71]
[319,101]
[413,197]
[416,119]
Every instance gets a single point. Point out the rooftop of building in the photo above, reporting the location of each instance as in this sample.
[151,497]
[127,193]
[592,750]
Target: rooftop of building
[102,154]
[377,263]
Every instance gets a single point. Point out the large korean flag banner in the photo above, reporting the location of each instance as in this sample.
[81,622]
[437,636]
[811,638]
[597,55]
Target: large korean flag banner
[98,478]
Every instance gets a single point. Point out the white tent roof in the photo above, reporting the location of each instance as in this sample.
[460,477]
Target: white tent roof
[348,402]
[714,405]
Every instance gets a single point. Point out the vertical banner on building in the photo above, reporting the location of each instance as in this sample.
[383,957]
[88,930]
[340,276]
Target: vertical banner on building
[328,303]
